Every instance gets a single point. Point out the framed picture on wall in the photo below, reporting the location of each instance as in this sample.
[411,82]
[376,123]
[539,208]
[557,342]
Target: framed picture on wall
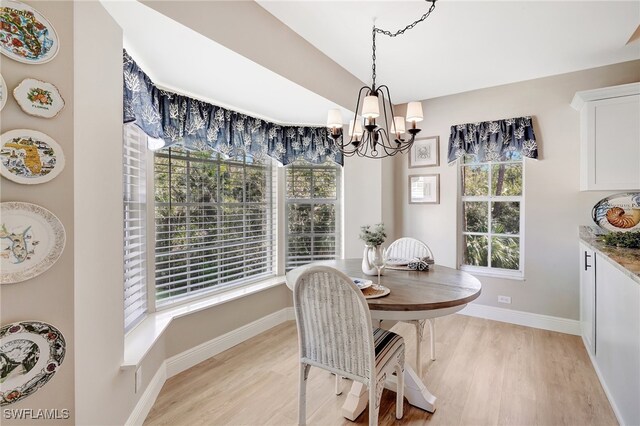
[425,152]
[424,189]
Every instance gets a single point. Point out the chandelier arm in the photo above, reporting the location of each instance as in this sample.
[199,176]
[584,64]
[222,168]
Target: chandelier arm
[355,114]
[384,106]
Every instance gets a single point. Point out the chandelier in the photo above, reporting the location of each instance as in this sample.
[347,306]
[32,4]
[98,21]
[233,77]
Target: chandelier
[372,134]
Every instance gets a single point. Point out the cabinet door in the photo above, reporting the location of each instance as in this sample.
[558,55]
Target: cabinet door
[613,143]
[618,334]
[588,297]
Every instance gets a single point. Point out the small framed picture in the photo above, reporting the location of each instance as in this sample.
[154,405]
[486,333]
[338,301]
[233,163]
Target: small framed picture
[425,152]
[424,189]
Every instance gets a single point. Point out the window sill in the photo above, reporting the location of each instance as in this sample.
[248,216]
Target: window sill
[515,276]
[139,341]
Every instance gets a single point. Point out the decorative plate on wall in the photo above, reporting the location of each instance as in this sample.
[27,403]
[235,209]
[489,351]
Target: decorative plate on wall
[618,212]
[3,92]
[29,157]
[25,34]
[38,98]
[31,352]
[32,240]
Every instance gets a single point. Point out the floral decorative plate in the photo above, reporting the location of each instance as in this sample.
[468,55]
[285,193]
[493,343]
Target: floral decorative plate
[32,241]
[618,212]
[38,98]
[3,92]
[30,354]
[25,34]
[30,157]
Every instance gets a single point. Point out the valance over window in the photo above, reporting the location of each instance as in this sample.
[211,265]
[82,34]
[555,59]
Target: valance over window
[198,125]
[499,140]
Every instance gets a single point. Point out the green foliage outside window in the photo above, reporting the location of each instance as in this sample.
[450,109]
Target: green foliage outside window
[491,214]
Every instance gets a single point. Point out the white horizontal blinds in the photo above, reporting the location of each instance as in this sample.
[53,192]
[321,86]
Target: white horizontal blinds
[312,213]
[214,222]
[135,240]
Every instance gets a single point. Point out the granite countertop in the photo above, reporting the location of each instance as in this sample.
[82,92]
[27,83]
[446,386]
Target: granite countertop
[625,259]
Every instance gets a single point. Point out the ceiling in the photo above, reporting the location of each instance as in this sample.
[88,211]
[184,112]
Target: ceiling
[465,45]
[211,72]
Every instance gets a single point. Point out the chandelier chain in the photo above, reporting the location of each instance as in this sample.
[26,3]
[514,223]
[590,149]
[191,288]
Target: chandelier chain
[395,34]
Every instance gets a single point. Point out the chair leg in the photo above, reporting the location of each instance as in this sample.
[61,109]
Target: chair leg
[400,391]
[375,395]
[302,396]
[338,384]
[432,332]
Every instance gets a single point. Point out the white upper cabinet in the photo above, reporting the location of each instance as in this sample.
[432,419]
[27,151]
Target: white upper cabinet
[610,137]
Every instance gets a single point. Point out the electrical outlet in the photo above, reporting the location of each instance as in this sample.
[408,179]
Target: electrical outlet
[504,299]
[138,379]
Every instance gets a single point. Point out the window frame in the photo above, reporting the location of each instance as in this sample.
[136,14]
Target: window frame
[213,289]
[490,270]
[337,202]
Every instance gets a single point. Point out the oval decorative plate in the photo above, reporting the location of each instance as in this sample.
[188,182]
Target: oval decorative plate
[31,352]
[25,34]
[361,283]
[32,240]
[618,212]
[3,92]
[38,98]
[30,157]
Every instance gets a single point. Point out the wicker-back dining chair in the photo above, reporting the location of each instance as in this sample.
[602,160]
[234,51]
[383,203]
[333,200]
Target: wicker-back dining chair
[410,248]
[335,334]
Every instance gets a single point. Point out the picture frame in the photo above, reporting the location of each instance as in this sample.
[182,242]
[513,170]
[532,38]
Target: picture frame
[424,189]
[425,152]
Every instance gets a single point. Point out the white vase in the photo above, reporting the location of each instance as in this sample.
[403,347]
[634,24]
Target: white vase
[371,252]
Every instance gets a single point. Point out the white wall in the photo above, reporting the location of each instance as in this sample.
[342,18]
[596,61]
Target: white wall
[554,206]
[49,296]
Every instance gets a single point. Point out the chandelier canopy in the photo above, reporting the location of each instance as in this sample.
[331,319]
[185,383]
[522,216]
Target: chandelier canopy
[371,133]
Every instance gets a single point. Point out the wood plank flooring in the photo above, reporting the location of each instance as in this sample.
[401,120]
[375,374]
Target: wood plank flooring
[486,373]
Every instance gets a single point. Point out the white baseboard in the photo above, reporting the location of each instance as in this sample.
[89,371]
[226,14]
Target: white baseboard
[148,398]
[545,322]
[187,359]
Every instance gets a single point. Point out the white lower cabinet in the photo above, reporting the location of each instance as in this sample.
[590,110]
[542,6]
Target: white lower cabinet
[617,338]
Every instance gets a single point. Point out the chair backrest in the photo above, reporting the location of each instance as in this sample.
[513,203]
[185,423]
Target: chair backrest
[408,248]
[334,323]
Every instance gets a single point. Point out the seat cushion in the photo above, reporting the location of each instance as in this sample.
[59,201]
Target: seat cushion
[387,344]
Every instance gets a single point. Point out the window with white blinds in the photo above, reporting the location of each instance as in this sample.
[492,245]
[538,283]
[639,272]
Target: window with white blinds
[214,220]
[313,213]
[135,211]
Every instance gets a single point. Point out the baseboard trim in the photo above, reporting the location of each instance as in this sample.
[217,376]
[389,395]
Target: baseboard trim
[148,398]
[545,322]
[187,359]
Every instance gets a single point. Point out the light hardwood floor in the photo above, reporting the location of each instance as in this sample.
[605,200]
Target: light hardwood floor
[486,373]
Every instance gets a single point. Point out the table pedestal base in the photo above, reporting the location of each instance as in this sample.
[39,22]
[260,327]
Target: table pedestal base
[415,392]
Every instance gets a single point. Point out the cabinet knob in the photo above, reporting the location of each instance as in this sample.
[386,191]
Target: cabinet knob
[586,256]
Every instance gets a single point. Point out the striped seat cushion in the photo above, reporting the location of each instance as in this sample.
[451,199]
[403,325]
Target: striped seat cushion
[387,344]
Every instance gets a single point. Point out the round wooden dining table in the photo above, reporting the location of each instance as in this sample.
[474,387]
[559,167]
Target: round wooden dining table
[416,296]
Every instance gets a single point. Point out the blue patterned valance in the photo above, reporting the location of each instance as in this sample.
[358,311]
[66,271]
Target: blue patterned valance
[197,125]
[499,140]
